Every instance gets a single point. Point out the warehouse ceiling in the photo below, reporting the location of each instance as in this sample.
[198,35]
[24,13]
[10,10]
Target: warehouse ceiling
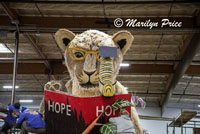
[154,56]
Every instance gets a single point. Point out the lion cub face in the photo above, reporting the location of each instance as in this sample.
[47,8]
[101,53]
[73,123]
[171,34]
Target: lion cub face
[82,53]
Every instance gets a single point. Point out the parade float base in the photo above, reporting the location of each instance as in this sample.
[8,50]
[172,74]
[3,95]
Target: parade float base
[67,114]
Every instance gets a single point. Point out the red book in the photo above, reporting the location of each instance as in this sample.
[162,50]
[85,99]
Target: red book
[67,114]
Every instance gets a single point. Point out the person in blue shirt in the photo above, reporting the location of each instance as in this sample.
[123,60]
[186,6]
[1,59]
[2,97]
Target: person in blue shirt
[31,121]
[10,120]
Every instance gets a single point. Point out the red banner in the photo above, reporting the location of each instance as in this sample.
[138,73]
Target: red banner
[66,114]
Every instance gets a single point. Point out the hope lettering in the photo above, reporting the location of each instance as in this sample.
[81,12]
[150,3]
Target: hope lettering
[59,108]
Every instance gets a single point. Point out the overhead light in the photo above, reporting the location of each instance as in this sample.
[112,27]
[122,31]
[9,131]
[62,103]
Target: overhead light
[198,105]
[4,49]
[10,86]
[26,101]
[125,88]
[124,65]
[37,33]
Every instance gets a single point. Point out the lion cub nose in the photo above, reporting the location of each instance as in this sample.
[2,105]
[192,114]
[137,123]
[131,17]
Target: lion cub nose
[89,73]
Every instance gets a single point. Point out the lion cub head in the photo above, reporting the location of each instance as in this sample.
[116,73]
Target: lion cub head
[82,55]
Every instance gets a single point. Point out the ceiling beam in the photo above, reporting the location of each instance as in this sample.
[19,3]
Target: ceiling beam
[60,68]
[24,68]
[100,2]
[198,19]
[193,69]
[155,118]
[22,93]
[150,68]
[182,67]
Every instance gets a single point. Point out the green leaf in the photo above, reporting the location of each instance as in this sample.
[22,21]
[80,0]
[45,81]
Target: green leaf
[108,128]
[120,104]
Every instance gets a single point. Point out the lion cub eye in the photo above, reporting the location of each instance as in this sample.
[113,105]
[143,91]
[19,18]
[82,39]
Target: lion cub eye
[78,54]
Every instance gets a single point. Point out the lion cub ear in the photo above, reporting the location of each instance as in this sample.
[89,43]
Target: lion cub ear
[63,38]
[123,39]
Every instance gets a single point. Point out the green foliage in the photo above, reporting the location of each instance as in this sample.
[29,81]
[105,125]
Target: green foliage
[108,128]
[120,104]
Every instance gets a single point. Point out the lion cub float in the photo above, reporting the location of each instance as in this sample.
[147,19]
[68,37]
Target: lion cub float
[81,54]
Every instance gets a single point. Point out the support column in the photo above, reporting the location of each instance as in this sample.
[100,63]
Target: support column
[15,66]
[182,67]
